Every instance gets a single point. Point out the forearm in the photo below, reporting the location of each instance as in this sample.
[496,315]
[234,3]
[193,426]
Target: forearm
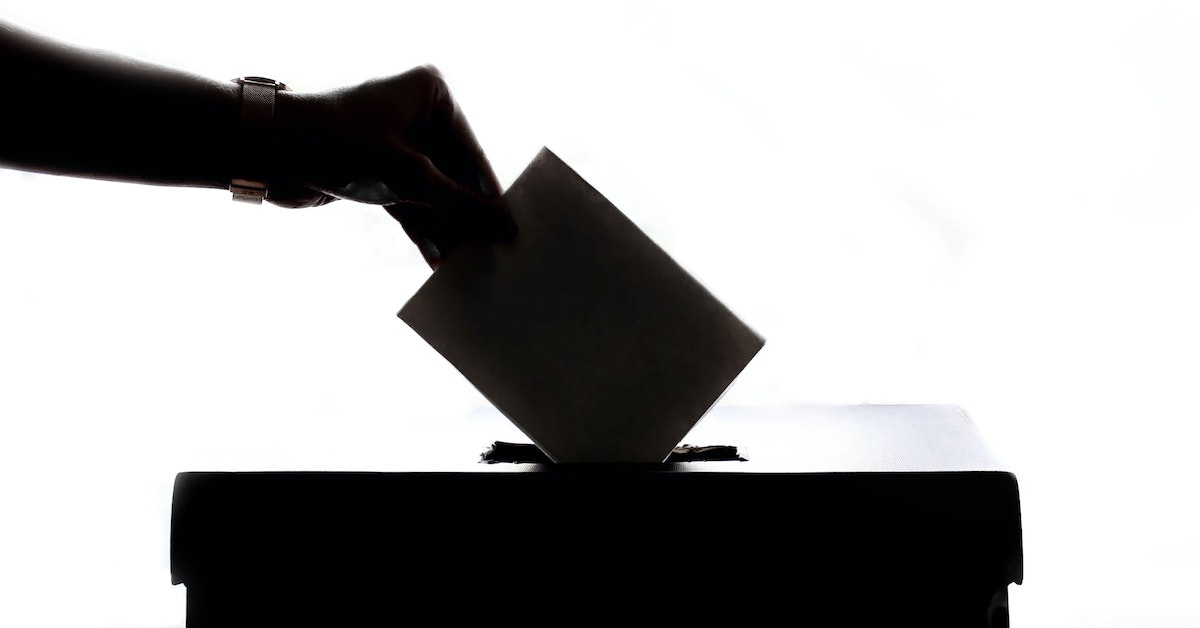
[398,141]
[79,112]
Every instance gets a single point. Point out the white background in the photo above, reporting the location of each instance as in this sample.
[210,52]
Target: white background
[985,204]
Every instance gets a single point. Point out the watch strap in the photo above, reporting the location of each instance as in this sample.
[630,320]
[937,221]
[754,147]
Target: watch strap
[249,184]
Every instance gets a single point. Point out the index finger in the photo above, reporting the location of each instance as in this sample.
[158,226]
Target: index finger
[453,146]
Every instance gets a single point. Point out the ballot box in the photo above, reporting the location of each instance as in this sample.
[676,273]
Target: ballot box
[811,515]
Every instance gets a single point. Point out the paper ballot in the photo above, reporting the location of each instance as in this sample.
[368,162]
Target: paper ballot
[582,331]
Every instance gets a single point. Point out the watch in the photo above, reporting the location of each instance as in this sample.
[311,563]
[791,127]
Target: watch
[254,137]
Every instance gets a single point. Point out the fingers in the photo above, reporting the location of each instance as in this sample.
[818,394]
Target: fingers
[439,184]
[474,215]
[450,141]
[442,214]
[462,151]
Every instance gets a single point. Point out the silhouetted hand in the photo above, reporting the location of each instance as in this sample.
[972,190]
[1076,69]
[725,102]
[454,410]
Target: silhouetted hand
[400,142]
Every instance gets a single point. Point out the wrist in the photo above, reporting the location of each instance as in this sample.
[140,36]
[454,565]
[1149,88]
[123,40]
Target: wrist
[298,138]
[255,138]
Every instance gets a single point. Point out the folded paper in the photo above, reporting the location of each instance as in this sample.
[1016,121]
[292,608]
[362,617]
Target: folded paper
[582,331]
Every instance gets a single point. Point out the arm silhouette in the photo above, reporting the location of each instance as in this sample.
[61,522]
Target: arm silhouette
[401,142]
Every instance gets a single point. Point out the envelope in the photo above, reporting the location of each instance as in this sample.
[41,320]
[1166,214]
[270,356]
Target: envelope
[582,331]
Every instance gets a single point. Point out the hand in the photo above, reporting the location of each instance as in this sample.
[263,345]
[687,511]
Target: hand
[400,142]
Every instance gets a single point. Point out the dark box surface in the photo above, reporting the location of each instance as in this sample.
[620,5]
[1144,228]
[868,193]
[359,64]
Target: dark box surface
[703,543]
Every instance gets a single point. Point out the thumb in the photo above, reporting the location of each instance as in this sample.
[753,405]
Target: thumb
[421,223]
